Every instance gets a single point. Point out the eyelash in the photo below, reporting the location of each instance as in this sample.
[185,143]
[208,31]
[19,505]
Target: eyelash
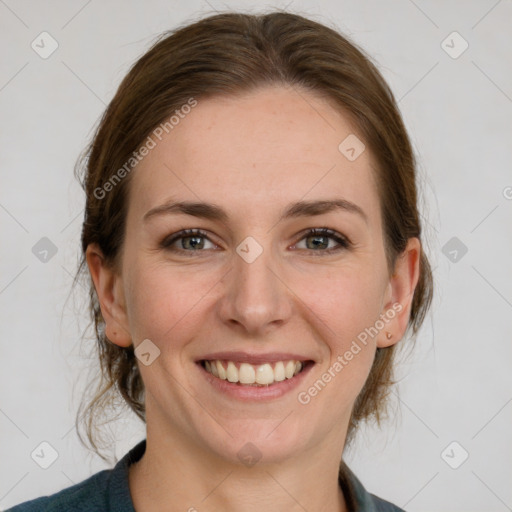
[344,242]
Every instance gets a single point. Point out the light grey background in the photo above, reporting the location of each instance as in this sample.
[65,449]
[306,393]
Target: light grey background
[456,385]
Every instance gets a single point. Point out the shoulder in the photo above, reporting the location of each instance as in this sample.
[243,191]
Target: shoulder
[358,498]
[107,491]
[383,505]
[87,495]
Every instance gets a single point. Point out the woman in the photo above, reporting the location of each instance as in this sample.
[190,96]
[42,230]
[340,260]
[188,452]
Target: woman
[253,241]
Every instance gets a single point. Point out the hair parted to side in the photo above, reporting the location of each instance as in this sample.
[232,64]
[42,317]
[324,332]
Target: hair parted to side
[229,54]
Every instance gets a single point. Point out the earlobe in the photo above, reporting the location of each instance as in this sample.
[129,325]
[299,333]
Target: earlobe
[401,292]
[110,296]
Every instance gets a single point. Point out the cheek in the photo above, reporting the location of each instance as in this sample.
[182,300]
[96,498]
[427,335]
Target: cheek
[347,301]
[163,299]
[344,308]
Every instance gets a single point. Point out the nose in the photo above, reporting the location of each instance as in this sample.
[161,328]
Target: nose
[255,299]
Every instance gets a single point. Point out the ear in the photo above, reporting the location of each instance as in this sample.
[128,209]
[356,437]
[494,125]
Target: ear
[109,288]
[400,292]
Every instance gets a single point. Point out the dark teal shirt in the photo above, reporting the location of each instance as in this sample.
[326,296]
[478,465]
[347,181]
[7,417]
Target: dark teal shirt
[108,491]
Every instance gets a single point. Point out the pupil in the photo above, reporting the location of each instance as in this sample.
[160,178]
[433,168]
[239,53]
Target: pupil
[193,240]
[320,244]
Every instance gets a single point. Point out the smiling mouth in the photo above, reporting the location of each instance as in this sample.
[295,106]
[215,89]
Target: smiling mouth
[245,374]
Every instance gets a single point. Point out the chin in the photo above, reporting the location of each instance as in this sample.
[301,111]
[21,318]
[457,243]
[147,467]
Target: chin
[251,441]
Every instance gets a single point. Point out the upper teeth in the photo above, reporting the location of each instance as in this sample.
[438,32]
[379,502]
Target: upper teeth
[249,374]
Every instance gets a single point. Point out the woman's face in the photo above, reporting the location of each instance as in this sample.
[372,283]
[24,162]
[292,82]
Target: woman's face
[254,286]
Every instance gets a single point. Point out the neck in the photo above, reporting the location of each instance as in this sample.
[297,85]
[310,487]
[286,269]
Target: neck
[175,476]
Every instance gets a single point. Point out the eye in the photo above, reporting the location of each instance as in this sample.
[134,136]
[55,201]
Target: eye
[320,239]
[191,241]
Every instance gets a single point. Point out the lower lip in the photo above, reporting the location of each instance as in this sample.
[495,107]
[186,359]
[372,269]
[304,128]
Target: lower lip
[246,392]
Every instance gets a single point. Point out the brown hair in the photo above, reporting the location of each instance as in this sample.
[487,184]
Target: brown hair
[229,54]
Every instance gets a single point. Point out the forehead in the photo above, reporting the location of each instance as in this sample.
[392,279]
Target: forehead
[268,147]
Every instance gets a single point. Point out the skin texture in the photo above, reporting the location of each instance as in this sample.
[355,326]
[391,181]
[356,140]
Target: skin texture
[252,155]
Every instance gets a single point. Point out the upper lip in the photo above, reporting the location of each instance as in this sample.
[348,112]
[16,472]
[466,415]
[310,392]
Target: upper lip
[252,358]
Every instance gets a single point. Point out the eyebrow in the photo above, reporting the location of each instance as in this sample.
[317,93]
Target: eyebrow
[295,210]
